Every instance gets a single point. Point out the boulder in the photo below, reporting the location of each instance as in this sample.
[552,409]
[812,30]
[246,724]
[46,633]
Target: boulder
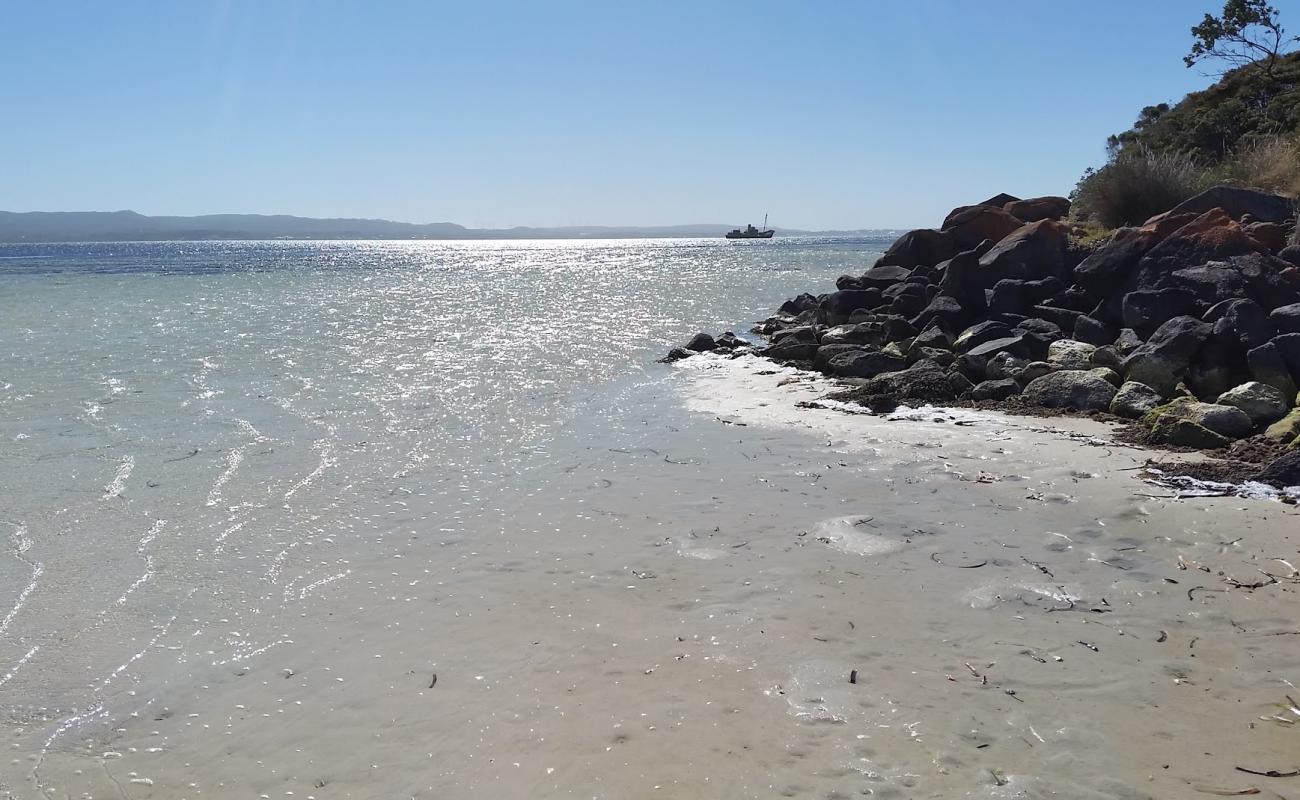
[1063,318]
[1032,371]
[995,389]
[1004,365]
[1185,433]
[1146,309]
[1036,250]
[1039,208]
[865,363]
[860,333]
[1270,281]
[1106,374]
[792,350]
[676,354]
[837,307]
[1283,471]
[884,277]
[1108,357]
[1162,359]
[1267,365]
[960,280]
[945,310]
[1272,235]
[960,384]
[701,342]
[1093,331]
[1075,389]
[804,302]
[1285,430]
[939,356]
[731,341]
[1242,321]
[1286,319]
[1014,344]
[933,337]
[1000,200]
[980,333]
[1069,354]
[1109,265]
[822,359]
[922,247]
[973,224]
[1127,341]
[1237,203]
[1290,254]
[1261,402]
[924,381]
[1226,421]
[1213,236]
[1133,400]
[1011,296]
[804,334]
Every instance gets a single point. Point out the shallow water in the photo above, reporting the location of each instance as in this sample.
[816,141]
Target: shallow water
[377,532]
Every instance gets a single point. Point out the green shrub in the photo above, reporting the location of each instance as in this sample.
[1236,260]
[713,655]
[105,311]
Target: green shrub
[1271,163]
[1136,185]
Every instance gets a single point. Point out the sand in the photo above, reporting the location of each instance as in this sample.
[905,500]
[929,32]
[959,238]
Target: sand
[679,615]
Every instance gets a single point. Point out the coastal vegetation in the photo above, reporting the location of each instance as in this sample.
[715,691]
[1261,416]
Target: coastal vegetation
[1244,130]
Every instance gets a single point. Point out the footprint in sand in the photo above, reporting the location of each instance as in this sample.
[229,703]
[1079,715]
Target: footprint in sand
[857,535]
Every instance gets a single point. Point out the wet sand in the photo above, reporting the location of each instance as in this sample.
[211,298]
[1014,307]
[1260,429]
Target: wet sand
[677,613]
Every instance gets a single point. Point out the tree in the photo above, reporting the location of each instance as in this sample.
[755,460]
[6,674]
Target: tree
[1247,33]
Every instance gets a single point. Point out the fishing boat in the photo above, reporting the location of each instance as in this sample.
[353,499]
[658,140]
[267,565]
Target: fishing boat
[750,232]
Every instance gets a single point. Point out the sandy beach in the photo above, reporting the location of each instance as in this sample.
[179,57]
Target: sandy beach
[785,602]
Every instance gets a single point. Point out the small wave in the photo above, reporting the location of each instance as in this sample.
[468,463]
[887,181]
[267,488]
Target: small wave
[124,469]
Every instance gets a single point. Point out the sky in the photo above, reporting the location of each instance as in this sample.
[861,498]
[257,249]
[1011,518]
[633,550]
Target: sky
[823,115]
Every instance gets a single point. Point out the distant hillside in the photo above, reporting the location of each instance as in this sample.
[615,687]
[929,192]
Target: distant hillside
[92,226]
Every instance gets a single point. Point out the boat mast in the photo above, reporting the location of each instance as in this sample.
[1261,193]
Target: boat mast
[764,222]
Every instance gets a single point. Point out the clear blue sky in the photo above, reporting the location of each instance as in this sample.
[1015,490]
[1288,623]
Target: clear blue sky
[823,114]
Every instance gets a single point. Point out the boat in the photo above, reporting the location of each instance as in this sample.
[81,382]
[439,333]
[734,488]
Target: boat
[750,232]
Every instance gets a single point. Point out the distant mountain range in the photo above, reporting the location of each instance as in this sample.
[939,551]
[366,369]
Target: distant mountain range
[99,226]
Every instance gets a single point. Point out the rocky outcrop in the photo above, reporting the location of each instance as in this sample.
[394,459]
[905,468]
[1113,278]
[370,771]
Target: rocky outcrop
[1237,203]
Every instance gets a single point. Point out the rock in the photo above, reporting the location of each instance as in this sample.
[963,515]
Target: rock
[1270,281]
[822,360]
[1290,254]
[960,280]
[1108,265]
[1000,200]
[1107,374]
[1162,359]
[804,334]
[1014,344]
[1285,430]
[1213,236]
[933,337]
[1011,296]
[944,310]
[973,224]
[869,333]
[1063,318]
[1039,208]
[995,390]
[1242,321]
[1270,234]
[1147,309]
[676,354]
[980,333]
[791,349]
[730,341]
[1036,250]
[701,342]
[1185,433]
[960,383]
[884,277]
[1267,365]
[838,306]
[1288,345]
[924,381]
[1004,365]
[1226,421]
[1134,399]
[1127,341]
[1032,371]
[1238,202]
[897,328]
[846,282]
[1282,472]
[1069,354]
[1076,389]
[1093,331]
[1286,319]
[1261,402]
[804,302]
[923,247]
[1107,357]
[941,357]
[865,363]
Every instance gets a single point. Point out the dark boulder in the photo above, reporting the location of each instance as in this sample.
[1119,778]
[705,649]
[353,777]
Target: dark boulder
[995,390]
[1093,331]
[1016,344]
[1147,309]
[822,359]
[1163,358]
[884,277]
[1270,281]
[791,349]
[1283,471]
[1242,321]
[872,333]
[1288,344]
[1039,208]
[1127,341]
[676,354]
[865,363]
[1082,390]
[838,306]
[1000,200]
[1286,319]
[1110,264]
[924,246]
[1036,250]
[804,302]
[933,336]
[1270,234]
[1237,203]
[960,280]
[897,328]
[944,310]
[925,381]
[1267,364]
[1012,296]
[844,282]
[973,224]
[1063,318]
[980,333]
[1290,254]
[803,334]
[701,342]
[1213,236]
